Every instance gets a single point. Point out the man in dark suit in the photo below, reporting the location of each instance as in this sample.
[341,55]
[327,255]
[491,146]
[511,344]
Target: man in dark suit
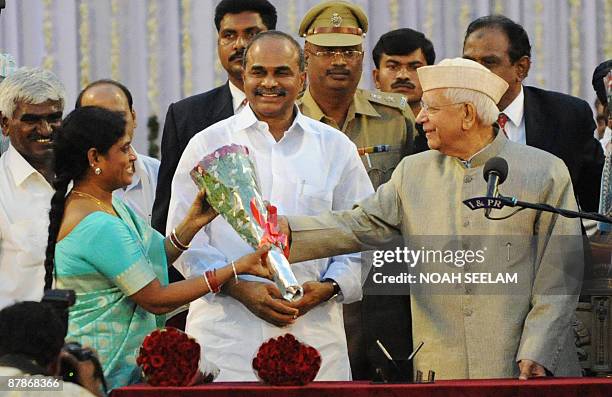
[557,123]
[237,22]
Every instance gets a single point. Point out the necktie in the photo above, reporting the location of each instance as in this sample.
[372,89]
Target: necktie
[502,119]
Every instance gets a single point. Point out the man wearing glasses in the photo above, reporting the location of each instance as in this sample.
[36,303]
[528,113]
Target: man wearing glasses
[470,329]
[380,124]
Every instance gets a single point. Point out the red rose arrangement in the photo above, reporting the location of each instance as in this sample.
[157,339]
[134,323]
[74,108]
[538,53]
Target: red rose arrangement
[285,361]
[169,357]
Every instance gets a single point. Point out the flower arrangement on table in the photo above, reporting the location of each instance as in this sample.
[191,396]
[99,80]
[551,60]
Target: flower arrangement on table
[230,180]
[285,361]
[170,357]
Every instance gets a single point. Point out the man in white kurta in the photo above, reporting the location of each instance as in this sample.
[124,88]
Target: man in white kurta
[472,330]
[311,168]
[31,106]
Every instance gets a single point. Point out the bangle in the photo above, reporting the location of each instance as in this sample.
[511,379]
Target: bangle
[177,243]
[211,276]
[171,238]
[235,274]
[207,283]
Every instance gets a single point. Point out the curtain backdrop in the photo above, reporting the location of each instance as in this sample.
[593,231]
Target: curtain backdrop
[165,50]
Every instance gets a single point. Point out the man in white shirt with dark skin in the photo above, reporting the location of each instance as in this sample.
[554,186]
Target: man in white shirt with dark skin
[303,167]
[112,95]
[31,106]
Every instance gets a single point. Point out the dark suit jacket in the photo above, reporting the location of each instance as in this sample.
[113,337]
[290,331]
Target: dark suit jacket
[563,125]
[184,119]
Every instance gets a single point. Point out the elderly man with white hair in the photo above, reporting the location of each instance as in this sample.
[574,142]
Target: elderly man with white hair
[470,331]
[31,106]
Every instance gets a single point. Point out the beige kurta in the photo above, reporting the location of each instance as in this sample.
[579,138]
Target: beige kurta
[472,335]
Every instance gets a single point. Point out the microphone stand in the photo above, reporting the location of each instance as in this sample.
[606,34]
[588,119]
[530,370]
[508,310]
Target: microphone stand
[513,202]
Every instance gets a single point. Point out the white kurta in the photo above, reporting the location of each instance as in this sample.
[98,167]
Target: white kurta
[313,168]
[25,201]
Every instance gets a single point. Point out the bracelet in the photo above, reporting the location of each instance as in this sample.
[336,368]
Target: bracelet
[171,239]
[177,243]
[207,283]
[235,274]
[214,284]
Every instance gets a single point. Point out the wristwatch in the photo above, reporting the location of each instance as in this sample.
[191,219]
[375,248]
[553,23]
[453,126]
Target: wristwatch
[334,285]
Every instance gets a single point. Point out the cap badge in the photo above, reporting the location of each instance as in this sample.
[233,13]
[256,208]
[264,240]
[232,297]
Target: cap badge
[336,20]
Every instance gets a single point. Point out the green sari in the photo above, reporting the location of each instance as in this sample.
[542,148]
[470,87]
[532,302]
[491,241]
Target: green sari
[106,259]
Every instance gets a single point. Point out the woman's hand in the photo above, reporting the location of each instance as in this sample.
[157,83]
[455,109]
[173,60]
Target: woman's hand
[201,213]
[254,263]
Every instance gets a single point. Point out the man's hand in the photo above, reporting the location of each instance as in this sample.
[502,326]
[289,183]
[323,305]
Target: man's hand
[530,369]
[315,292]
[263,300]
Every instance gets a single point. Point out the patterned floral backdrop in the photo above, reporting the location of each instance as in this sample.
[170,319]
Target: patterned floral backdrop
[164,50]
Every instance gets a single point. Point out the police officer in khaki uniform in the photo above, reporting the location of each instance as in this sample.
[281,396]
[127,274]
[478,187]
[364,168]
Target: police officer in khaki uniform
[382,127]
[380,124]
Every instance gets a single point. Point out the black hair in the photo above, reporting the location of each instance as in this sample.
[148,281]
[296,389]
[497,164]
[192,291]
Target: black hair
[599,73]
[84,128]
[518,41]
[32,329]
[403,42]
[280,35]
[264,8]
[124,89]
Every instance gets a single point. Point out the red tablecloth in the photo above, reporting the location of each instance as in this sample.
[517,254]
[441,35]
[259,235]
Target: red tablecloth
[543,387]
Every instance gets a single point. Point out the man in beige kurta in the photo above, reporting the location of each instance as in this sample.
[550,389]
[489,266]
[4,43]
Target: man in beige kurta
[479,333]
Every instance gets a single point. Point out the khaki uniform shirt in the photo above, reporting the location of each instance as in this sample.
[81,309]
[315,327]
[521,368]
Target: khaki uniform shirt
[470,333]
[374,118]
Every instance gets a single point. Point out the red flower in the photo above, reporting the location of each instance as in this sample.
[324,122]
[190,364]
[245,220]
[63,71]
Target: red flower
[286,361]
[168,357]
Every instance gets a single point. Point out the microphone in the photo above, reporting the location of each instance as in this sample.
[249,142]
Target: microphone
[495,172]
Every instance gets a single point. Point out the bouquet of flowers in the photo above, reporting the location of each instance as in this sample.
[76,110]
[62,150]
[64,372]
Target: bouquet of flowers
[285,361]
[228,175]
[169,357]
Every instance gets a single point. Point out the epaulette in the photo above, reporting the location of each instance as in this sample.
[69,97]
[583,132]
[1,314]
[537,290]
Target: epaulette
[397,101]
[387,98]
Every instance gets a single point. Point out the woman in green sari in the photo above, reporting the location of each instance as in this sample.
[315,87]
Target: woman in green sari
[115,262]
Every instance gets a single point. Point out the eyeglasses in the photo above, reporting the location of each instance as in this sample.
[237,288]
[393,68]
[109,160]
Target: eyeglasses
[435,109]
[346,54]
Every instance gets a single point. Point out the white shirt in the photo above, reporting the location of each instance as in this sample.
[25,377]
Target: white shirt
[140,194]
[515,127]
[238,98]
[25,201]
[313,168]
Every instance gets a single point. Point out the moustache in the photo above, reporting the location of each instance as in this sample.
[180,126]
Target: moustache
[402,83]
[278,91]
[338,71]
[237,55]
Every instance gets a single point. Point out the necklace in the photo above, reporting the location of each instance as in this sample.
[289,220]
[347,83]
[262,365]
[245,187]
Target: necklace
[99,202]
